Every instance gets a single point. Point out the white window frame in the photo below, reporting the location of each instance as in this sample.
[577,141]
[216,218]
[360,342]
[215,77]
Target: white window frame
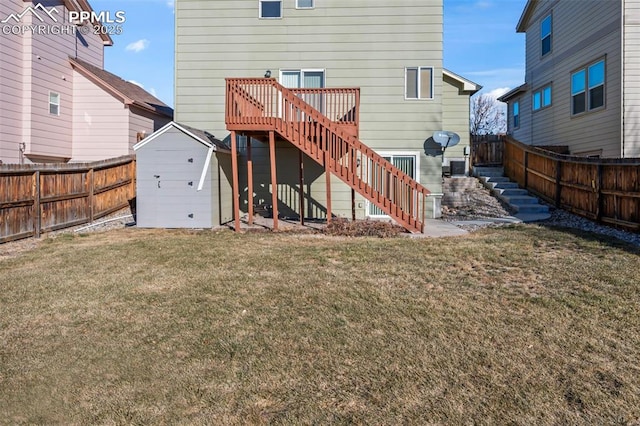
[313,5]
[302,71]
[57,105]
[418,83]
[415,154]
[260,2]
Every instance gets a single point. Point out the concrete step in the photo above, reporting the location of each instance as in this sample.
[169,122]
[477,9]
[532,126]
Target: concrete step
[488,171]
[502,185]
[519,199]
[532,217]
[494,179]
[530,209]
[512,192]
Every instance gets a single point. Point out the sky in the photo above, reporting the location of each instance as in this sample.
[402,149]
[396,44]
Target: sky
[480,43]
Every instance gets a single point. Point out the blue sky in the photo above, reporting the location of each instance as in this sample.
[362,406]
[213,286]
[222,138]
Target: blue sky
[480,43]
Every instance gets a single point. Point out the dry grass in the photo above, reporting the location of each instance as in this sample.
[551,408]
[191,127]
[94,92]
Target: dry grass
[519,325]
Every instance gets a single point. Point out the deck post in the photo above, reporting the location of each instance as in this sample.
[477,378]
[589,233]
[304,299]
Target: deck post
[327,173]
[274,181]
[249,181]
[301,157]
[353,204]
[236,185]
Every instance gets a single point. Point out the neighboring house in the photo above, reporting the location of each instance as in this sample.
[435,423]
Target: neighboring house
[58,104]
[392,52]
[582,81]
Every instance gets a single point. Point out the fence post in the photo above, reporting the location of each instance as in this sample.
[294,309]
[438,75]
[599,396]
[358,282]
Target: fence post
[600,198]
[525,179]
[37,220]
[91,191]
[558,182]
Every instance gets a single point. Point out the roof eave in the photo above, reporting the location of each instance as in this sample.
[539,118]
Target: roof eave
[83,5]
[526,15]
[101,83]
[467,85]
[513,92]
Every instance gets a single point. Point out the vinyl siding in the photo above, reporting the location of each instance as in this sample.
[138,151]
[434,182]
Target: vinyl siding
[45,68]
[631,146]
[11,98]
[364,44]
[100,122]
[455,117]
[576,42]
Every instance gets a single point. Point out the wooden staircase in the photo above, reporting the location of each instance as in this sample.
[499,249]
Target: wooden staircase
[323,123]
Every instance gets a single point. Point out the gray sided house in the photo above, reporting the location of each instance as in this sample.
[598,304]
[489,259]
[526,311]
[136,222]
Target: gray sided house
[391,51]
[182,179]
[582,81]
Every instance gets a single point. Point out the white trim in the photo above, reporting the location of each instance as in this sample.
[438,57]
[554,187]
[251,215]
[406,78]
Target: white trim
[166,127]
[205,168]
[270,1]
[415,154]
[302,71]
[57,94]
[467,85]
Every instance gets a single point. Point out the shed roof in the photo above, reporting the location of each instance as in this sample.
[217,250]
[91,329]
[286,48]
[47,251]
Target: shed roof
[201,136]
[513,92]
[127,92]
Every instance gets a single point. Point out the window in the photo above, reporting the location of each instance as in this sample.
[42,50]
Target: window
[304,4]
[408,162]
[516,114]
[54,103]
[541,98]
[587,88]
[418,83]
[545,35]
[271,9]
[308,79]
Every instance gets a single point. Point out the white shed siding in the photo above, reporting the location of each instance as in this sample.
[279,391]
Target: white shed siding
[100,122]
[358,43]
[10,89]
[631,143]
[576,42]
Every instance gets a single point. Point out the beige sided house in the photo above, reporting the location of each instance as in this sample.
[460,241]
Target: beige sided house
[57,104]
[582,82]
[350,90]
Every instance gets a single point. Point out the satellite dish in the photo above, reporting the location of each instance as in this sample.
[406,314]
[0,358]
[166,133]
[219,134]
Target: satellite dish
[446,139]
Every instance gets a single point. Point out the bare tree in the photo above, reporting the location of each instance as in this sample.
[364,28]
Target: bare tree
[488,116]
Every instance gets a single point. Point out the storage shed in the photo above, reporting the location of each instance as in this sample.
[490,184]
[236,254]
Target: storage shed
[183,179]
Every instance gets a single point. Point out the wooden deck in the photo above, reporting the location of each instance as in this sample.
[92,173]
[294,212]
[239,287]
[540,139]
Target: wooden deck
[324,125]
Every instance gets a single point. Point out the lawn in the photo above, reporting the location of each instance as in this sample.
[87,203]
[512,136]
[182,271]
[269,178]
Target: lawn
[521,325]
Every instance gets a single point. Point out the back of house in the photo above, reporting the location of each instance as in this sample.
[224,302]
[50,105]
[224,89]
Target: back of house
[392,51]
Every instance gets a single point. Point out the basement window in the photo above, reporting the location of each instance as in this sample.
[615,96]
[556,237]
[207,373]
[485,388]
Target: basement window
[270,9]
[304,4]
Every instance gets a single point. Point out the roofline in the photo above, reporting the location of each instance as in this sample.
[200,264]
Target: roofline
[166,127]
[526,14]
[112,90]
[467,85]
[83,5]
[511,93]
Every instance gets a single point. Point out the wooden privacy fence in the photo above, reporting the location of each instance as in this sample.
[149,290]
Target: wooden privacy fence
[606,190]
[487,150]
[41,198]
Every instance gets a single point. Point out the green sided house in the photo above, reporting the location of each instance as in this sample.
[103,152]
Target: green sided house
[328,106]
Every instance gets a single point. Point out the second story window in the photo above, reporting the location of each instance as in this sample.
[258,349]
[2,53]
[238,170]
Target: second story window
[418,83]
[304,4]
[545,35]
[541,98]
[516,114]
[54,103]
[587,88]
[270,9]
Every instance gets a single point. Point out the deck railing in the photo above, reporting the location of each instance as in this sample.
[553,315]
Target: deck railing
[263,104]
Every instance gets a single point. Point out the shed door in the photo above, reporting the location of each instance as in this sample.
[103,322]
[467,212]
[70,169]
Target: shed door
[168,182]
